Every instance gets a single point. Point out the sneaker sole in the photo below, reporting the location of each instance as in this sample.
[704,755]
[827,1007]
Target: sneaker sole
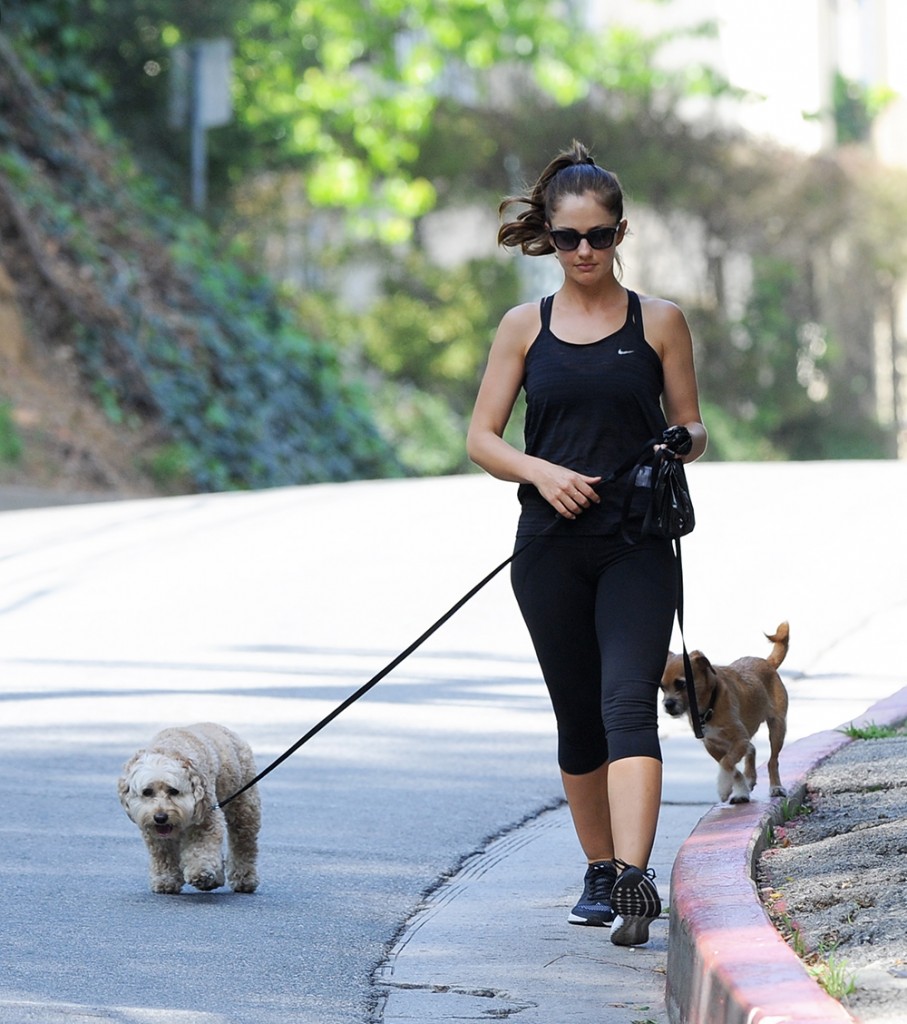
[637,897]
[631,931]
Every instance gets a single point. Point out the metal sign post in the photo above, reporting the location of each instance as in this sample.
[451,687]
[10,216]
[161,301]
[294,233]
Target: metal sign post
[200,99]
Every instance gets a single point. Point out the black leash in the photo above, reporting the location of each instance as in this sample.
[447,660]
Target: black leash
[389,667]
[696,720]
[435,626]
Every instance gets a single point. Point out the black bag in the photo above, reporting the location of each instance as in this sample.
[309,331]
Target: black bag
[669,511]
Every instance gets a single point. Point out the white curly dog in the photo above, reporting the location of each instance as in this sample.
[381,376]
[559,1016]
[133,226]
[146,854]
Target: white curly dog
[170,790]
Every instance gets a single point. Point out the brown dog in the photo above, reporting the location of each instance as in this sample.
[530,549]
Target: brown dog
[734,700]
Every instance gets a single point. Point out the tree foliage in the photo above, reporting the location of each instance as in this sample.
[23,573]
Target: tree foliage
[797,366]
[344,91]
[427,336]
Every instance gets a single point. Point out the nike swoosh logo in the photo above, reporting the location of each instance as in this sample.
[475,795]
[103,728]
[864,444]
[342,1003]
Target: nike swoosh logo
[625,351]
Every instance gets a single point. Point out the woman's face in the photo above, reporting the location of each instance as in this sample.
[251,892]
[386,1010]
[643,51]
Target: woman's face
[583,215]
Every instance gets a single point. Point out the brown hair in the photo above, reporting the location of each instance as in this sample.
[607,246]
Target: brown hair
[571,173]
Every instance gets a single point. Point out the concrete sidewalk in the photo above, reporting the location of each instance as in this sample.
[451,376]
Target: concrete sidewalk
[493,942]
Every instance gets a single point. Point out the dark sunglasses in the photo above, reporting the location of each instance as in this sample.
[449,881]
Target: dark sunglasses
[568,239]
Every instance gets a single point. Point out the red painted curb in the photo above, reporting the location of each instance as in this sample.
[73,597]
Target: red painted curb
[727,964]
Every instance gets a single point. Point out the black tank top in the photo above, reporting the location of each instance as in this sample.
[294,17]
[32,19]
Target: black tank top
[590,407]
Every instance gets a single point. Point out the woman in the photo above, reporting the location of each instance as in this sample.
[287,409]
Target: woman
[604,371]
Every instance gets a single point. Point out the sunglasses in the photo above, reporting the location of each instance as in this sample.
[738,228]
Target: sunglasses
[568,239]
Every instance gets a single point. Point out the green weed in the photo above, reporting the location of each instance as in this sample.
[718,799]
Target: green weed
[832,973]
[829,971]
[873,731]
[790,809]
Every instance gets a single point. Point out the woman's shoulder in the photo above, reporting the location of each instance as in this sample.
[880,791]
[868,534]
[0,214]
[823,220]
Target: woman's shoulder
[660,311]
[664,324]
[520,325]
[526,313]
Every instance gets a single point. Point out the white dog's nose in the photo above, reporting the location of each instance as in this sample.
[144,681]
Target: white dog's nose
[160,818]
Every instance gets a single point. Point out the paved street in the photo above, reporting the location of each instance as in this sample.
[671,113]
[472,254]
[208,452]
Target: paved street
[263,611]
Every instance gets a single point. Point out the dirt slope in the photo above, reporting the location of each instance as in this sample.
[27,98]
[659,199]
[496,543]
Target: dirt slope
[66,442]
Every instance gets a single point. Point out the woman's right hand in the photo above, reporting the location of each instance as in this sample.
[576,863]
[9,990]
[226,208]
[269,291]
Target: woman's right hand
[569,493]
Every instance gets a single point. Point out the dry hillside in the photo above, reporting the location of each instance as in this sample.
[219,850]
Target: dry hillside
[67,443]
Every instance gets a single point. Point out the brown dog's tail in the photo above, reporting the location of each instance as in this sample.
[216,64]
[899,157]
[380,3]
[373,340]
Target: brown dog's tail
[781,640]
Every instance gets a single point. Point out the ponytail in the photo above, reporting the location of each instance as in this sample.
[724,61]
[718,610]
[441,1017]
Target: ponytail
[572,172]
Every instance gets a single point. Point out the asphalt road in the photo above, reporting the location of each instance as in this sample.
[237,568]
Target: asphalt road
[265,610]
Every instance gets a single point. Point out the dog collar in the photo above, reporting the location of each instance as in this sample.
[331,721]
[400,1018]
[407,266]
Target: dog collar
[710,710]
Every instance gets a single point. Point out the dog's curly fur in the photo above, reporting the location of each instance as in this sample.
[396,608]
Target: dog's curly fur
[170,789]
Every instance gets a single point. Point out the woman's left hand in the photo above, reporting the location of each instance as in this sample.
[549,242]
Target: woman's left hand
[677,440]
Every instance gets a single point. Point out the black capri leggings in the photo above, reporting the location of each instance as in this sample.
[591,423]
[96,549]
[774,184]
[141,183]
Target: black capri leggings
[600,613]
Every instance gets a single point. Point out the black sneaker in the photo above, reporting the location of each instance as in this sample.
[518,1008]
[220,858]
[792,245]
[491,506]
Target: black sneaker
[594,905]
[636,902]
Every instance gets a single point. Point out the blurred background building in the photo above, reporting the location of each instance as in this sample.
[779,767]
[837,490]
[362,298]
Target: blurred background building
[788,57]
